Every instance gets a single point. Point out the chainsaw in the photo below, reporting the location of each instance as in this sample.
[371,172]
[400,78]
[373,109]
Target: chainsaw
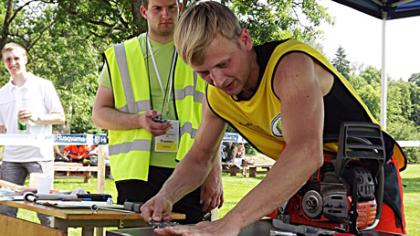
[346,193]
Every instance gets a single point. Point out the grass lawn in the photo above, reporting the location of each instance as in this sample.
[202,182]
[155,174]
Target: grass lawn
[411,187]
[236,187]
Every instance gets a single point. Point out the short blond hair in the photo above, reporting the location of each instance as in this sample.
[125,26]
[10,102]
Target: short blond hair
[199,25]
[13,46]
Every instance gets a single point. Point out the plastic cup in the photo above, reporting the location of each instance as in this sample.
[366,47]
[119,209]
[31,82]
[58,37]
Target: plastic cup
[40,181]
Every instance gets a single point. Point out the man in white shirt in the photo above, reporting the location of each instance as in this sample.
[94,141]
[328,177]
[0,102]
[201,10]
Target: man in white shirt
[34,104]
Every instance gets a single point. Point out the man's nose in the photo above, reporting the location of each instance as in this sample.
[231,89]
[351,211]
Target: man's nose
[217,78]
[165,13]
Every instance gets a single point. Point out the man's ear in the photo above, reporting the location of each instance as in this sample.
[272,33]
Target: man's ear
[25,60]
[143,11]
[245,39]
[180,8]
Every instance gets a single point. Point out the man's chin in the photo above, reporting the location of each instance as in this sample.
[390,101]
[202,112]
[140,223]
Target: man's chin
[166,30]
[231,92]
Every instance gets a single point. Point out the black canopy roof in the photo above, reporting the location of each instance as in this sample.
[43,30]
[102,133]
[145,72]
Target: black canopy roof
[385,9]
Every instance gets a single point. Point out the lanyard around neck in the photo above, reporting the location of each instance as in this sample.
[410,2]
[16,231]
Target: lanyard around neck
[166,92]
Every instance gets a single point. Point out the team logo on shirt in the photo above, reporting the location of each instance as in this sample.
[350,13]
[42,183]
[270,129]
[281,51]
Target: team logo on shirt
[276,126]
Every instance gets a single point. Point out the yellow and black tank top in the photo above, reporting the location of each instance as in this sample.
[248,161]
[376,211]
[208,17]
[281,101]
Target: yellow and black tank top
[258,118]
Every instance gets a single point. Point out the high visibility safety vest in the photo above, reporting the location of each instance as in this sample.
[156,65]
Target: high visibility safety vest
[129,150]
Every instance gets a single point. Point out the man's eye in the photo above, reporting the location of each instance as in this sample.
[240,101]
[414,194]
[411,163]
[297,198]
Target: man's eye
[223,64]
[157,9]
[203,74]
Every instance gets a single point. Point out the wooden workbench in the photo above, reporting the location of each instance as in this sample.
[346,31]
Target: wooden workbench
[84,218]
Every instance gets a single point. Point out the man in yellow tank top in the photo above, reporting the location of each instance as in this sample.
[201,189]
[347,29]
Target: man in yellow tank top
[282,96]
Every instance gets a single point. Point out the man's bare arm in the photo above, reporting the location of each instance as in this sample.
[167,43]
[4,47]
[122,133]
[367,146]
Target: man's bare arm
[55,118]
[211,194]
[192,171]
[297,87]
[196,165]
[105,115]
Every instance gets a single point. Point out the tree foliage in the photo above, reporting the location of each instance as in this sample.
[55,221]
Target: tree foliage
[403,104]
[276,20]
[341,63]
[367,85]
[65,40]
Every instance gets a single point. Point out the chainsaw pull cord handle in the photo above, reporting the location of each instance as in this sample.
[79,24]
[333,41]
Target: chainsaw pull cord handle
[380,197]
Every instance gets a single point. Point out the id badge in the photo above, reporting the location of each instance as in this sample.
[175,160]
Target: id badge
[169,141]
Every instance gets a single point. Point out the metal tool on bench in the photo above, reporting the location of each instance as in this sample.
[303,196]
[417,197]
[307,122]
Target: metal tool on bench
[301,229]
[162,224]
[33,197]
[135,206]
[95,208]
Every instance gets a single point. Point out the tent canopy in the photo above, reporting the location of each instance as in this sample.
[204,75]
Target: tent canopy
[385,9]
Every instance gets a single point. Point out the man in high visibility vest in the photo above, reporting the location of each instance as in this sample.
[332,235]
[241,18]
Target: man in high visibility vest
[150,101]
[283,97]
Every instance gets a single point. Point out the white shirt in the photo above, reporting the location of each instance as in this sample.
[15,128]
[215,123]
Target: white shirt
[40,97]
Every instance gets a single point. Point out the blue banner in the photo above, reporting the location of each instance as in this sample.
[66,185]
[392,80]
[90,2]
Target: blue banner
[233,137]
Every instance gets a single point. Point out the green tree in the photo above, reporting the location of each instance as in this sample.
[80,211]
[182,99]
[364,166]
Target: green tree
[367,85]
[414,81]
[341,63]
[399,102]
[276,20]
[65,39]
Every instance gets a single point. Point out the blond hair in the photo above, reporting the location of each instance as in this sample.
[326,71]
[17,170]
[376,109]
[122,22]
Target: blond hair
[13,46]
[199,25]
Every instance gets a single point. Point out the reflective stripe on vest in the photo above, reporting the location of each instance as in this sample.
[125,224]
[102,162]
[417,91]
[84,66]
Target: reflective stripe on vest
[130,149]
[189,93]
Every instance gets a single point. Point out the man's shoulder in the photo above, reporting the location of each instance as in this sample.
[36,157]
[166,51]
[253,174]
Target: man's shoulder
[41,85]
[4,90]
[138,37]
[34,77]
[39,80]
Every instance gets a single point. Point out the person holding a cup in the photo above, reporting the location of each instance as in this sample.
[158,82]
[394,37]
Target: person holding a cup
[28,104]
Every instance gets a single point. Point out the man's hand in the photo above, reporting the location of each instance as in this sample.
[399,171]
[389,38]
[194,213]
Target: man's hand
[155,128]
[25,115]
[220,227]
[3,129]
[158,208]
[211,195]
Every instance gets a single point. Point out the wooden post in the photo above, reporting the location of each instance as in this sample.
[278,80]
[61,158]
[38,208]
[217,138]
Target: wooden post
[101,169]
[101,180]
